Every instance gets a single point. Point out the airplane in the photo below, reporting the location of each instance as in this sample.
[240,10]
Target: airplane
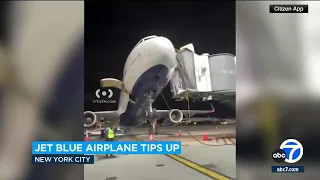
[195,120]
[147,70]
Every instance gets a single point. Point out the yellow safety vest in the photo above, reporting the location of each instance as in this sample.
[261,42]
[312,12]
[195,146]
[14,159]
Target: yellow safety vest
[110,133]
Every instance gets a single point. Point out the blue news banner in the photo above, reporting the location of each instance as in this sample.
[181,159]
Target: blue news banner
[79,152]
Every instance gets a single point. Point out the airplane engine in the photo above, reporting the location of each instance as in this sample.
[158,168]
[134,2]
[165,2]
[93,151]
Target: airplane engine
[90,119]
[176,116]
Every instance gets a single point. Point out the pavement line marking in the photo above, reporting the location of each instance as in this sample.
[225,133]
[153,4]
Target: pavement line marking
[233,141]
[229,141]
[197,167]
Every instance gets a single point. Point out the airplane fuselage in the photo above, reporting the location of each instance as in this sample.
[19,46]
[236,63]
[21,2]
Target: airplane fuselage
[147,71]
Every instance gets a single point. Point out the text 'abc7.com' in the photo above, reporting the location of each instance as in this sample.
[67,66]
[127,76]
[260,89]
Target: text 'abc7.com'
[290,151]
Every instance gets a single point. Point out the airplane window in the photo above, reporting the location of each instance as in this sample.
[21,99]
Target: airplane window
[144,39]
[147,38]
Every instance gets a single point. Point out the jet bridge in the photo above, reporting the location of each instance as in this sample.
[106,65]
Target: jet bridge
[204,77]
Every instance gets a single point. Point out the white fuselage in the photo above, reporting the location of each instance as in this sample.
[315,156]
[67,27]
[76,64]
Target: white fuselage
[149,66]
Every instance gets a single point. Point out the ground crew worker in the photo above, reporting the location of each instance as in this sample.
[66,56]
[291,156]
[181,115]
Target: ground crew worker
[109,135]
[102,135]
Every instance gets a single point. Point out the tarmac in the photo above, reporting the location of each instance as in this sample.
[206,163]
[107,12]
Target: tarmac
[173,130]
[203,160]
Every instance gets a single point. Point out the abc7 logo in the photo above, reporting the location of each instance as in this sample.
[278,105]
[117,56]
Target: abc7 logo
[279,155]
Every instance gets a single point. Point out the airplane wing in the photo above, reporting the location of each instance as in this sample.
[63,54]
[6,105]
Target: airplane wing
[107,114]
[194,112]
[164,113]
[94,117]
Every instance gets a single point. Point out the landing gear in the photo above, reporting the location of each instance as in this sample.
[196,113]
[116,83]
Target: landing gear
[153,128]
[150,115]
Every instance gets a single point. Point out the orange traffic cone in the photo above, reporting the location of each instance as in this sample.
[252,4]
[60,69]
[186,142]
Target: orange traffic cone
[205,136]
[179,134]
[87,137]
[150,137]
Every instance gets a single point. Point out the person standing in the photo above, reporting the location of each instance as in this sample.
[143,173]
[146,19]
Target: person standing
[109,136]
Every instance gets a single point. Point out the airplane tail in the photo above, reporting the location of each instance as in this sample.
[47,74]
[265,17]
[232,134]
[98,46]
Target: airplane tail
[115,83]
[112,116]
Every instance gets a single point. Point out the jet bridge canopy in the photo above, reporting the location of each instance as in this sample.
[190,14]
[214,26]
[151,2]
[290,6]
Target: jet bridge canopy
[204,76]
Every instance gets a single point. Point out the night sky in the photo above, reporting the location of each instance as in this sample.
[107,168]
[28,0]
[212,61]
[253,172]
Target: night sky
[112,30]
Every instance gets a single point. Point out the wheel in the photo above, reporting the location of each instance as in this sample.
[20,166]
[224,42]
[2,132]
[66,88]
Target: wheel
[151,131]
[157,130]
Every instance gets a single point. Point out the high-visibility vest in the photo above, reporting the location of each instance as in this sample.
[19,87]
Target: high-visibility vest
[110,133]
